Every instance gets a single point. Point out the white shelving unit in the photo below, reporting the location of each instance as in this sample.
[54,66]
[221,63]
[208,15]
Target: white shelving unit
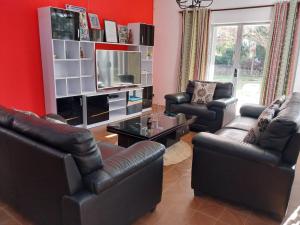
[69,70]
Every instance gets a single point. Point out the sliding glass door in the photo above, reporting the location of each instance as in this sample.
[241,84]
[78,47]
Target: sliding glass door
[240,47]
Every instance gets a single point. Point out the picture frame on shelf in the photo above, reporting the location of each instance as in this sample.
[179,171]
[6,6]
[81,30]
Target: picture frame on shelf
[123,34]
[111,34]
[94,21]
[83,22]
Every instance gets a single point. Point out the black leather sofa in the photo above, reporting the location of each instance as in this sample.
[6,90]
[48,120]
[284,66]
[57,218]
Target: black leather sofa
[56,174]
[257,176]
[210,117]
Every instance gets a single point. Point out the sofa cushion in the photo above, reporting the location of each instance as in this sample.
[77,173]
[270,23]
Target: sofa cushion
[223,90]
[263,121]
[77,141]
[284,126]
[232,134]
[195,110]
[242,123]
[203,92]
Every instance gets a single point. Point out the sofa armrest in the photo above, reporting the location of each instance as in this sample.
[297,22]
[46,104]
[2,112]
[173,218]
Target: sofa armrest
[236,149]
[222,103]
[54,117]
[123,164]
[178,98]
[252,110]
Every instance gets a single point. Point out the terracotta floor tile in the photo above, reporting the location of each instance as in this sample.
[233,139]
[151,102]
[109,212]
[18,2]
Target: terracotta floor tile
[209,206]
[233,217]
[199,218]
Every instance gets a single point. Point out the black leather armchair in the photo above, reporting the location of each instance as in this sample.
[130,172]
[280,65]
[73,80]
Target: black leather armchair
[56,174]
[210,117]
[258,176]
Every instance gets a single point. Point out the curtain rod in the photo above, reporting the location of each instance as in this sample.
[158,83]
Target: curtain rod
[238,8]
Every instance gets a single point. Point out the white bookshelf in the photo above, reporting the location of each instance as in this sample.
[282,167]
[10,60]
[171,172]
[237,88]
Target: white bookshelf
[69,71]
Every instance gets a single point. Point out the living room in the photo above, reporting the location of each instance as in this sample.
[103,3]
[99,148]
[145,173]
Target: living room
[150,112]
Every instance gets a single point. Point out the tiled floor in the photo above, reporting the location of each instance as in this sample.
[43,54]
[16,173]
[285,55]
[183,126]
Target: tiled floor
[179,206]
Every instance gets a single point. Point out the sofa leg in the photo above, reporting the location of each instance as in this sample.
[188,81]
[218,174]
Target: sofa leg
[198,193]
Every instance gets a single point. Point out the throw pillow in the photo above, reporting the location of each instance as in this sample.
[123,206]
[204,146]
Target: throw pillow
[203,92]
[263,122]
[279,101]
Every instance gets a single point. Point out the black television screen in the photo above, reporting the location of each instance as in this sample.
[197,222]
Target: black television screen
[118,68]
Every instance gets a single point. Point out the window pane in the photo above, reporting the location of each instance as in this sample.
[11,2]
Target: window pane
[253,52]
[223,53]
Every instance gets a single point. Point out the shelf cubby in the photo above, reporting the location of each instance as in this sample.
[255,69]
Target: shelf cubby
[74,87]
[66,68]
[87,67]
[88,49]
[59,49]
[61,87]
[88,84]
[116,105]
[72,50]
[117,114]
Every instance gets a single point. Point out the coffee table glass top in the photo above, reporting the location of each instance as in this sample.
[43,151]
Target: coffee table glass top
[148,126]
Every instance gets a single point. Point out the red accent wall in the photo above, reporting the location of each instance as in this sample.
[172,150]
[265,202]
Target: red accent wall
[21,80]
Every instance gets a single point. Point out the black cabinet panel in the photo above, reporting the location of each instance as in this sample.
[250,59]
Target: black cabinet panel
[147,97]
[150,35]
[146,34]
[65,24]
[71,109]
[97,109]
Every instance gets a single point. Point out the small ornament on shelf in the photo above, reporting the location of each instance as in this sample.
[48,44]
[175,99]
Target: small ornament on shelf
[82,53]
[123,34]
[130,37]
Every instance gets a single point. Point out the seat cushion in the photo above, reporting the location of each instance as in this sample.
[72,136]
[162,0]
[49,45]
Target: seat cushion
[78,142]
[242,123]
[232,134]
[199,110]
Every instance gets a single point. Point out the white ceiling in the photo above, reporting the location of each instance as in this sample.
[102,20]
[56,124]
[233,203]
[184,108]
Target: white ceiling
[221,4]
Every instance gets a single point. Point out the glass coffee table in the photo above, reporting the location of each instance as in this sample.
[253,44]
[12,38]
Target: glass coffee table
[154,127]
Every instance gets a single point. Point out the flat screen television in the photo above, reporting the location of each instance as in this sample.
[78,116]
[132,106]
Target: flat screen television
[118,68]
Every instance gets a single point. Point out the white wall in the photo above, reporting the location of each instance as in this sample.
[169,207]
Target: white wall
[167,48]
[168,38]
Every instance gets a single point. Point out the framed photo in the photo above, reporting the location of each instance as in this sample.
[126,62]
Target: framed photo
[94,21]
[111,31]
[123,34]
